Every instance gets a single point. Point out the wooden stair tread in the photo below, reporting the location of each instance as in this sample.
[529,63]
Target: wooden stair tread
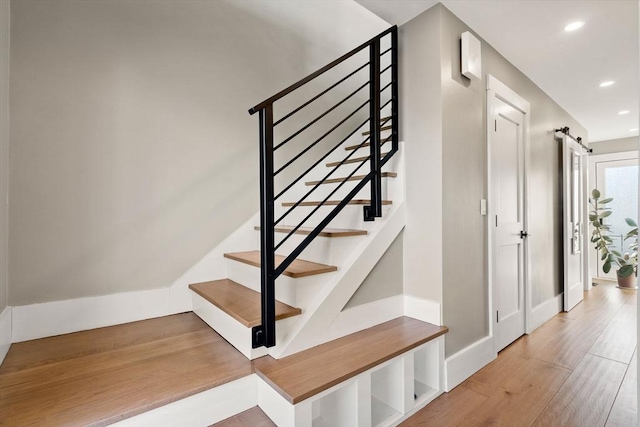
[239,302]
[298,268]
[312,371]
[327,232]
[354,160]
[353,178]
[366,144]
[336,202]
[381,129]
[253,417]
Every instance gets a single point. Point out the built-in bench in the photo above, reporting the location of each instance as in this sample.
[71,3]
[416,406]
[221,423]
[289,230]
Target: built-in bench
[373,377]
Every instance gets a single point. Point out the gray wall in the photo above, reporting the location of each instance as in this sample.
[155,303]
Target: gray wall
[132,153]
[421,130]
[615,145]
[4,151]
[463,172]
[464,166]
[385,280]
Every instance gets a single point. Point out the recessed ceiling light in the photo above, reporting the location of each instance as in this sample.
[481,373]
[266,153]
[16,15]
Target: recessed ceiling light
[574,26]
[607,83]
[623,112]
[633,130]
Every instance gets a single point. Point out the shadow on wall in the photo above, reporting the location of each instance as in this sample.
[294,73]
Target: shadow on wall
[132,150]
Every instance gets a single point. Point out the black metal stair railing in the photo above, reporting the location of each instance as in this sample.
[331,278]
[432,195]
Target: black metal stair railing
[265,334]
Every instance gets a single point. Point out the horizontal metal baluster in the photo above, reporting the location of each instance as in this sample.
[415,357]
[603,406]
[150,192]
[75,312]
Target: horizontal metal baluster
[298,250]
[319,160]
[295,205]
[318,95]
[383,89]
[388,50]
[321,138]
[385,69]
[321,204]
[320,116]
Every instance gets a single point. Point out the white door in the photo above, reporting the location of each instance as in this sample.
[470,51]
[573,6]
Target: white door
[507,181]
[573,175]
[613,178]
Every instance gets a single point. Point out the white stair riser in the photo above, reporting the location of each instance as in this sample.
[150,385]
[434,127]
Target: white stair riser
[350,217]
[324,190]
[325,250]
[297,292]
[229,328]
[233,331]
[319,250]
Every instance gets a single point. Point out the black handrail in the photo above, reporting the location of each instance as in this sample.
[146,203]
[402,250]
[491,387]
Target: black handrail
[264,334]
[301,82]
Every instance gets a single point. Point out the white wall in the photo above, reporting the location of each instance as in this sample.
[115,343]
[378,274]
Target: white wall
[132,153]
[614,145]
[4,151]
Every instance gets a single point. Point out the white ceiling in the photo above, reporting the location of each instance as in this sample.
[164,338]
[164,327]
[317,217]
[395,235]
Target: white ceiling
[568,66]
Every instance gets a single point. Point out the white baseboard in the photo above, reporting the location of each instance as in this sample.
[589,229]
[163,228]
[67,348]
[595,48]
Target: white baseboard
[423,309]
[62,317]
[5,332]
[467,362]
[202,409]
[541,313]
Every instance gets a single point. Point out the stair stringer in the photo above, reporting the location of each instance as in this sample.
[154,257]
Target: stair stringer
[311,327]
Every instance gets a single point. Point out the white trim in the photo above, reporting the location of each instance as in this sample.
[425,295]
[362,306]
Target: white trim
[542,313]
[311,327]
[62,317]
[365,316]
[423,309]
[467,362]
[202,409]
[594,159]
[5,332]
[498,90]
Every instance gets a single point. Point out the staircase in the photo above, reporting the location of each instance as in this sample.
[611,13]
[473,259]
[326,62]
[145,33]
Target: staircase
[329,209]
[310,221]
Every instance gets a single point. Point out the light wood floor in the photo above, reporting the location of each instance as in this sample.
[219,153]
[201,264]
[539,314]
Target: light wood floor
[579,369]
[103,375]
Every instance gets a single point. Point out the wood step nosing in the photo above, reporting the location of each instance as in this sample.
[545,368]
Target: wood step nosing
[366,144]
[314,268]
[389,127]
[336,202]
[355,160]
[327,232]
[353,178]
[283,311]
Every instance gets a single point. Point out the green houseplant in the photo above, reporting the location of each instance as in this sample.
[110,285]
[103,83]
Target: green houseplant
[627,263]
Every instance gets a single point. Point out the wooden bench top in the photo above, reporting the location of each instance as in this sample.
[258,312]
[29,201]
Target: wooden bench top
[312,371]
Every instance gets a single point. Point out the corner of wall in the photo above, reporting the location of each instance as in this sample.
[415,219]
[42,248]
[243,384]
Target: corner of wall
[5,332]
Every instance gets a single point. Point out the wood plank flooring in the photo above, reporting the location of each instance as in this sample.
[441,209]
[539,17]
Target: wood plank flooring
[101,376]
[577,370]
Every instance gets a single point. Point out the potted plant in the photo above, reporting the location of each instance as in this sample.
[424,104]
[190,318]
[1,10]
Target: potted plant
[627,263]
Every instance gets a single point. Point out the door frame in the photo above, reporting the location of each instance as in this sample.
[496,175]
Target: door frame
[496,90]
[592,255]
